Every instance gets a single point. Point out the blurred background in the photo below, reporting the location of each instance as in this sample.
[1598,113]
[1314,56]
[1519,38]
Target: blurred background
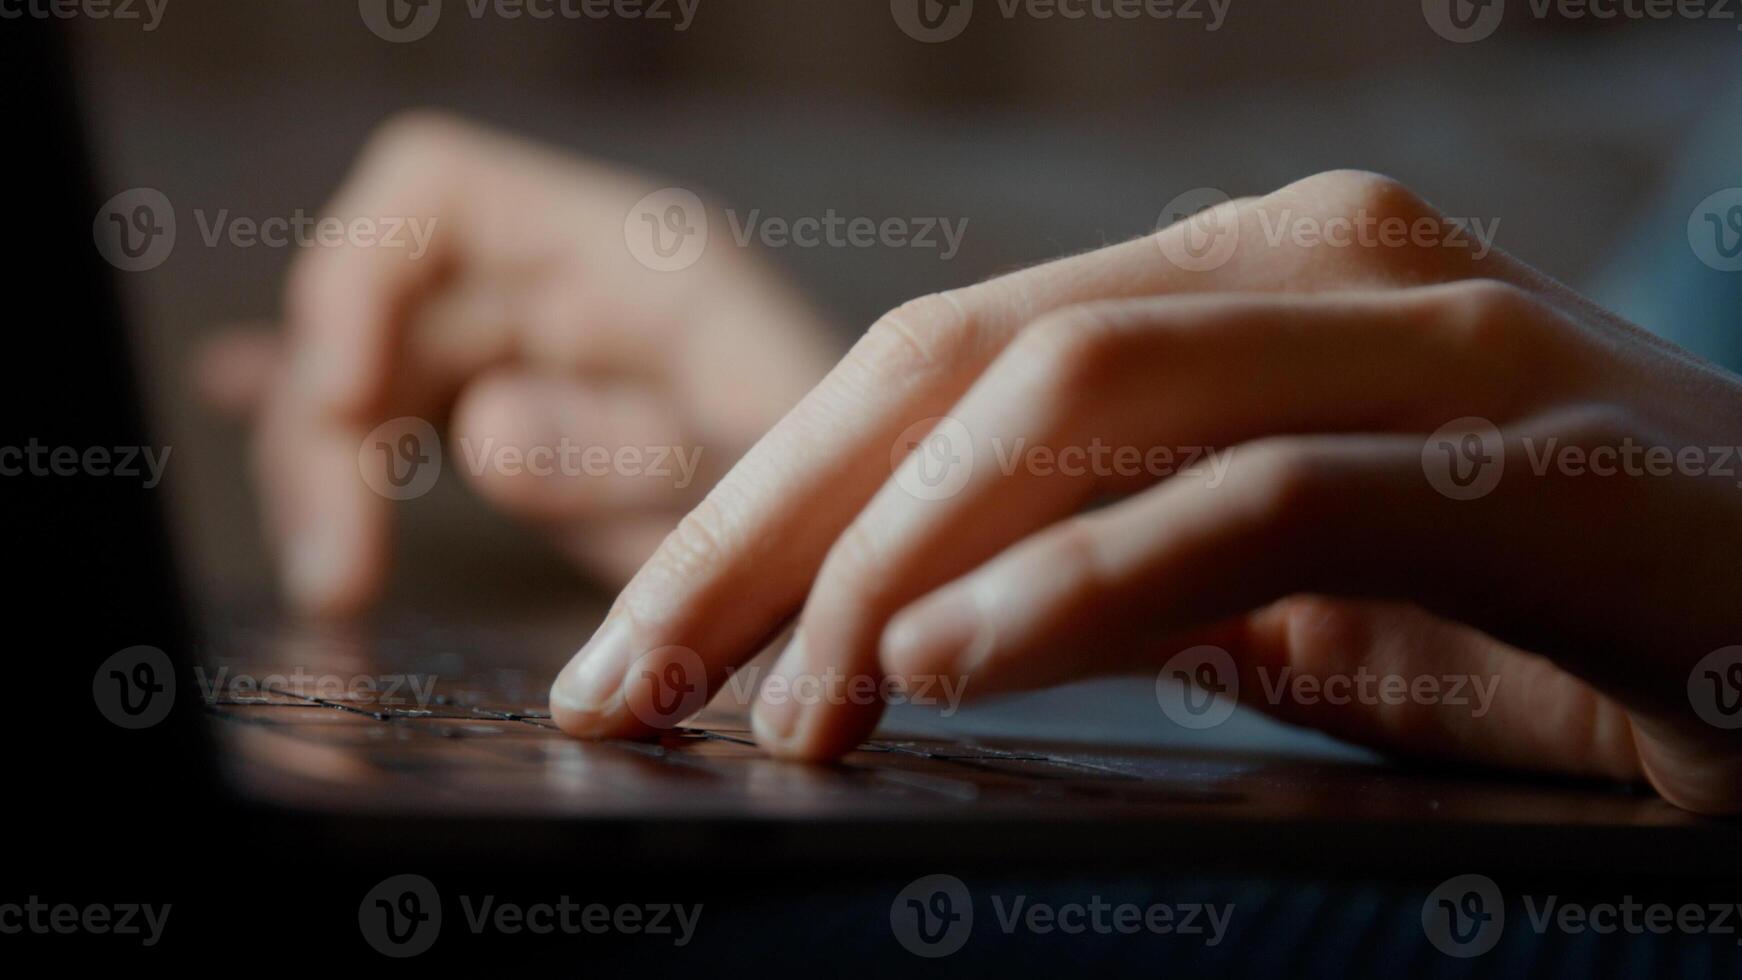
[1048,136]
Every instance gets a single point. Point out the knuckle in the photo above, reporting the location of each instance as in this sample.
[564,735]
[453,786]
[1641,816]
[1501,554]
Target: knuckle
[1072,351]
[1365,192]
[1497,301]
[1599,424]
[854,562]
[853,577]
[1327,635]
[1286,481]
[1074,553]
[1489,315]
[920,335]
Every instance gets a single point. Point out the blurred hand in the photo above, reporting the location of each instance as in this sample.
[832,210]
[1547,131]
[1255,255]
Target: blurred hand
[527,324]
[1319,372]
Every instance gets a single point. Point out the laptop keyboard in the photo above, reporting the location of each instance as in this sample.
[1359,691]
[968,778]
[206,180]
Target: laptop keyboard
[484,732]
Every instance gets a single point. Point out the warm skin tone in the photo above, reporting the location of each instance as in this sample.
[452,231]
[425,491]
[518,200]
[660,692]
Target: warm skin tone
[527,322]
[1319,370]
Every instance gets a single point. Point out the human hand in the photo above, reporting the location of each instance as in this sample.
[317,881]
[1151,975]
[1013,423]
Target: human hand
[529,324]
[1318,372]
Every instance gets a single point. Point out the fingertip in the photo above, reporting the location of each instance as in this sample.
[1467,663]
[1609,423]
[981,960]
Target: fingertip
[587,699]
[329,574]
[581,722]
[805,715]
[332,529]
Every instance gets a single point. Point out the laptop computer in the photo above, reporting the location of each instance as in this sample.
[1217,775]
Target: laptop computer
[306,767]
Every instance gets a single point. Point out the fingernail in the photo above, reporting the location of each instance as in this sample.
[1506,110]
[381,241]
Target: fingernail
[941,634]
[777,710]
[596,673]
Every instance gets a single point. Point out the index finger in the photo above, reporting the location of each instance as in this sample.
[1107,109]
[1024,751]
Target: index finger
[740,564]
